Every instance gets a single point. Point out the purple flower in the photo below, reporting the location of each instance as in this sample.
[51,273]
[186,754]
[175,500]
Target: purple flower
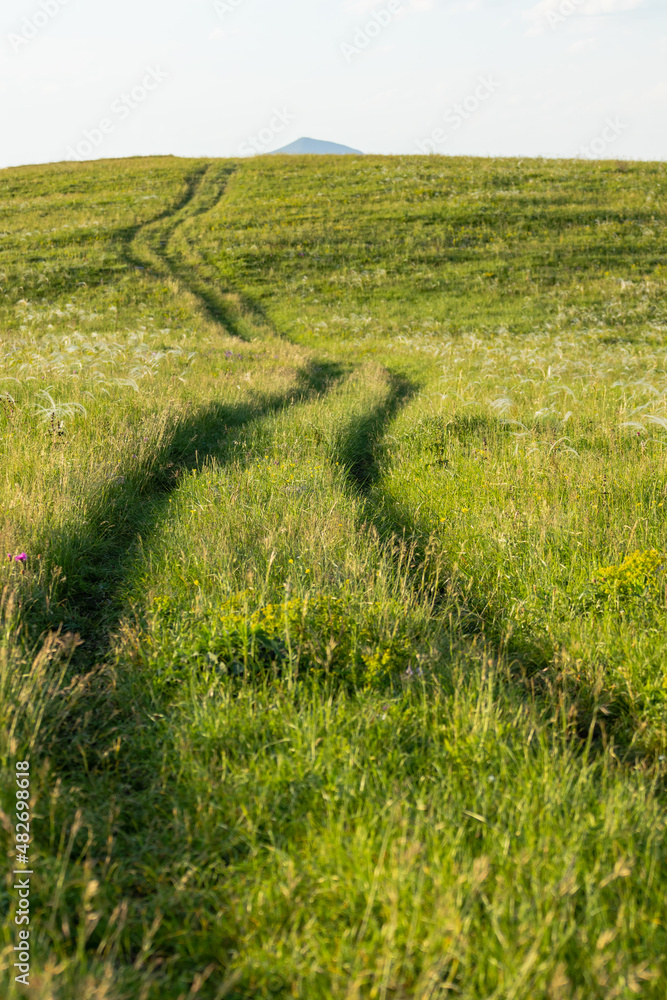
[22,558]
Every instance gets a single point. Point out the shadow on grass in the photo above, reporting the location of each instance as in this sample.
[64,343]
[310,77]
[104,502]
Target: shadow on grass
[223,306]
[359,452]
[92,564]
[106,737]
[156,245]
[84,272]
[530,656]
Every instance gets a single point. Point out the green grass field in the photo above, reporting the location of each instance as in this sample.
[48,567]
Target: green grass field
[338,648]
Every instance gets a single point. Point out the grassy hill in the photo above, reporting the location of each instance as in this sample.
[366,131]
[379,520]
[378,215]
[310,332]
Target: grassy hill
[336,642]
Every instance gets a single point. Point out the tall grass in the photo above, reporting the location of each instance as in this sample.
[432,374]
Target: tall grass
[338,649]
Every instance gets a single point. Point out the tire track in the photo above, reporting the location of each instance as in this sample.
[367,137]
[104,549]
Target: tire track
[206,187]
[164,250]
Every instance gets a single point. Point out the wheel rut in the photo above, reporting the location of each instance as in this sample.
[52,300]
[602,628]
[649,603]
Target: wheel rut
[162,247]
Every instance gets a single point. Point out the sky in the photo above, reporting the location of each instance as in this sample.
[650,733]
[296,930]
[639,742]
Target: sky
[80,79]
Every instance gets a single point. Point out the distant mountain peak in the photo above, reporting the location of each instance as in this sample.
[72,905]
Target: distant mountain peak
[306,146]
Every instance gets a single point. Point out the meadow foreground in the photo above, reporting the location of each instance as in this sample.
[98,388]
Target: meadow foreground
[334,600]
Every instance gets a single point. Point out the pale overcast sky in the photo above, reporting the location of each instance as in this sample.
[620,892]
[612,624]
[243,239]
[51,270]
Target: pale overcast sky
[81,78]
